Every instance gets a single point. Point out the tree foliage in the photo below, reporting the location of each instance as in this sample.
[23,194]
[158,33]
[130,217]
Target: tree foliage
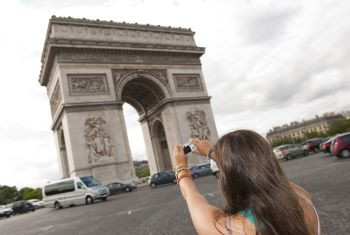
[11,194]
[143,172]
[339,126]
[8,194]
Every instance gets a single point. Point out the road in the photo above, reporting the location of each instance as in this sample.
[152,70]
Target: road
[163,211]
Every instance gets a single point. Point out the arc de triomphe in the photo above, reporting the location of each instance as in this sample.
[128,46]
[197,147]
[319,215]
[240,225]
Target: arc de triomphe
[90,68]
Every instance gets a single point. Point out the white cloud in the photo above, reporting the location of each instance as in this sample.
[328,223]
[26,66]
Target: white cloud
[274,61]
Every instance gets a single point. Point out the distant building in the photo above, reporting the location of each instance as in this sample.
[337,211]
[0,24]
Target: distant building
[346,114]
[298,129]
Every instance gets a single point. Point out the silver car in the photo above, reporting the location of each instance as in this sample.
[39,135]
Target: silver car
[290,151]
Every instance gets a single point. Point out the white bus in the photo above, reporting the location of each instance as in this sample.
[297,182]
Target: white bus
[74,191]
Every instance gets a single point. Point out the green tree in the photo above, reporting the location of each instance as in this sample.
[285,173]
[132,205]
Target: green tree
[143,172]
[339,126]
[27,193]
[8,194]
[314,134]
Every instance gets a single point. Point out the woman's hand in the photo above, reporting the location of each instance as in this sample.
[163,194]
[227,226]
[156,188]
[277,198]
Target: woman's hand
[179,156]
[203,146]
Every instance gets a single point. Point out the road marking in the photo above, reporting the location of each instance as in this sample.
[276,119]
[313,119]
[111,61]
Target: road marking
[44,229]
[129,212]
[210,194]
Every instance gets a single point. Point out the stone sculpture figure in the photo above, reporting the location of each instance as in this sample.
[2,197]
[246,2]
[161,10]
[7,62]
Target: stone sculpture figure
[198,124]
[97,139]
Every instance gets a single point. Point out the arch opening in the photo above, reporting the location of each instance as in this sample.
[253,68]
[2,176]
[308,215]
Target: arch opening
[143,94]
[63,154]
[160,146]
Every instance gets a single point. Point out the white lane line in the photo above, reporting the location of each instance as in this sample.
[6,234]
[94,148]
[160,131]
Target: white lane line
[129,212]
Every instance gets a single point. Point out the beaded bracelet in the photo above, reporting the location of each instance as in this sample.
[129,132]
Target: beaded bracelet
[182,169]
[183,176]
[181,165]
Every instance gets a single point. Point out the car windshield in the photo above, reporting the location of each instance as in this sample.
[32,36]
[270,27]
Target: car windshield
[90,181]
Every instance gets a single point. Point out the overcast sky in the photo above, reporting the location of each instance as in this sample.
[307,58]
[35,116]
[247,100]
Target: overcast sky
[267,63]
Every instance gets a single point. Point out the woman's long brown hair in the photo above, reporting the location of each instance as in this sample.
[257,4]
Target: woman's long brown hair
[251,178]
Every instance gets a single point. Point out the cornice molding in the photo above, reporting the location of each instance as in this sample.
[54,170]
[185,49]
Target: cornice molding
[103,23]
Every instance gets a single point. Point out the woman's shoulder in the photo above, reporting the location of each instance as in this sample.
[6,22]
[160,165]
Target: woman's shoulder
[240,224]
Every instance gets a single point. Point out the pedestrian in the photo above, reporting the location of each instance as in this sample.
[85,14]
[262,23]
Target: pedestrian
[259,197]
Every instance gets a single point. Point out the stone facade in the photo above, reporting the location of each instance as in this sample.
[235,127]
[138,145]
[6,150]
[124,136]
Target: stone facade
[298,129]
[90,68]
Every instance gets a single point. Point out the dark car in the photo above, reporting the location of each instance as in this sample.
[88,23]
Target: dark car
[22,207]
[163,177]
[118,187]
[340,146]
[201,170]
[5,211]
[313,144]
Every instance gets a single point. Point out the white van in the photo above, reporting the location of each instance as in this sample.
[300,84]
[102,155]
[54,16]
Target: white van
[74,191]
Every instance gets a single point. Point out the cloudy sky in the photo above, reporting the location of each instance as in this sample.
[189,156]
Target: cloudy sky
[267,63]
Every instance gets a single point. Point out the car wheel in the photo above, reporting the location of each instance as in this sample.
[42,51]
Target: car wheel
[153,185]
[195,175]
[344,153]
[89,200]
[217,174]
[104,198]
[57,206]
[127,189]
[8,215]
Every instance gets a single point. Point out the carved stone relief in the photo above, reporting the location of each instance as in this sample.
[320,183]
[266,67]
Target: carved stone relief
[97,139]
[160,74]
[124,35]
[83,84]
[188,82]
[119,58]
[56,99]
[198,124]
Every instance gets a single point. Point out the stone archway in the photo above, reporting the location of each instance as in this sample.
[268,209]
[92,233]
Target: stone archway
[90,68]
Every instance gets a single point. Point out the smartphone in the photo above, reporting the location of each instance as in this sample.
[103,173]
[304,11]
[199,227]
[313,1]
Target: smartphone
[188,148]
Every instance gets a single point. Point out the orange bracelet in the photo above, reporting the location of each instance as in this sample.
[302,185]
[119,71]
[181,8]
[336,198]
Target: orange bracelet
[183,176]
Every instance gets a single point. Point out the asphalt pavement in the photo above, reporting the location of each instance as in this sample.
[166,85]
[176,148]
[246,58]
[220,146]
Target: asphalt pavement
[163,210]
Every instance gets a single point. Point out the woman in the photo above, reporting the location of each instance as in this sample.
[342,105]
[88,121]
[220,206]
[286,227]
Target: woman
[259,197]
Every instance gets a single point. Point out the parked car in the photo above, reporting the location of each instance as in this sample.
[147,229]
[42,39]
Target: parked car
[214,168]
[313,144]
[290,151]
[340,146]
[325,146]
[37,204]
[159,178]
[118,187]
[6,211]
[22,207]
[201,170]
[74,191]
